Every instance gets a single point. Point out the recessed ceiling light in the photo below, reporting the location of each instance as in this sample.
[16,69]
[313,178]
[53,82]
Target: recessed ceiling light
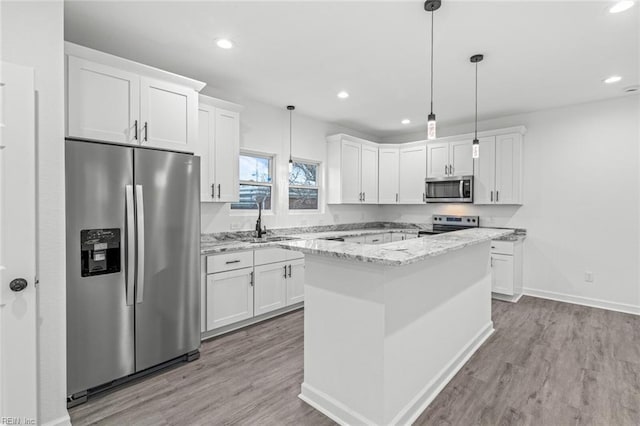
[224,43]
[621,6]
[343,95]
[406,121]
[613,79]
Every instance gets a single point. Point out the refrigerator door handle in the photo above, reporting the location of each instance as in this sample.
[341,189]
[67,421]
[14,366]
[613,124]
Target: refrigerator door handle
[131,244]
[140,225]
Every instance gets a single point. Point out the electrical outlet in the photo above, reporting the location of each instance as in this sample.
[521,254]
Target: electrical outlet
[588,276]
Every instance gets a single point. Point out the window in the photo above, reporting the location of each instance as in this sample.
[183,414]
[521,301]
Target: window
[303,186]
[256,183]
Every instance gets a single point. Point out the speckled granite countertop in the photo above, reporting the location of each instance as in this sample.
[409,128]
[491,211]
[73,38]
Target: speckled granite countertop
[400,252]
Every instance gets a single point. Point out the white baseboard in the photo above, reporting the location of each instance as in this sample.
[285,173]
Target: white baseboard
[60,421]
[506,298]
[421,401]
[331,408]
[585,301]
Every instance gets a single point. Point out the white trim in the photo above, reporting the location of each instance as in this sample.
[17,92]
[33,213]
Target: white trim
[584,301]
[337,411]
[60,421]
[219,103]
[506,298]
[421,401]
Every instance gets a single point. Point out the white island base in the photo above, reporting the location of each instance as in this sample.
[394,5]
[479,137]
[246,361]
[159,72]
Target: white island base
[381,341]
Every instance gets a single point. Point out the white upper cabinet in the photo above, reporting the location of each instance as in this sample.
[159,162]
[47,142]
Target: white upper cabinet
[498,170]
[218,145]
[352,170]
[388,175]
[447,159]
[103,102]
[112,99]
[413,164]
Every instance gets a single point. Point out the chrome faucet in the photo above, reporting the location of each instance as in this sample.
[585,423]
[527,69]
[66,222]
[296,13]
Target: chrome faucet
[260,231]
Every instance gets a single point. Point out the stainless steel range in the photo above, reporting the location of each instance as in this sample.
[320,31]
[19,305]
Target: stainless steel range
[445,223]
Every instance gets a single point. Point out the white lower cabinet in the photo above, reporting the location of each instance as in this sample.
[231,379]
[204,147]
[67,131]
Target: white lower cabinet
[270,291]
[506,269]
[229,297]
[243,285]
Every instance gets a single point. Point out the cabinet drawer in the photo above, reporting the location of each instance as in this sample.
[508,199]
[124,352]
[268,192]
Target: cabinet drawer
[229,261]
[502,247]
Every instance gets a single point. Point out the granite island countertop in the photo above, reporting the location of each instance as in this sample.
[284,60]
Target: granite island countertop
[396,253]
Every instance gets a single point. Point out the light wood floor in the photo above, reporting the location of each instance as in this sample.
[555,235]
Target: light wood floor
[548,363]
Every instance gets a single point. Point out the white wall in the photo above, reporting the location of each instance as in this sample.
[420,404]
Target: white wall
[32,35]
[265,128]
[581,206]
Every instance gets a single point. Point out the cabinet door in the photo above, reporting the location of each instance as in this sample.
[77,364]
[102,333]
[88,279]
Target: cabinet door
[484,173]
[103,102]
[502,274]
[508,169]
[204,148]
[437,160]
[461,158]
[229,297]
[168,114]
[270,288]
[295,282]
[388,175]
[369,177]
[227,152]
[350,172]
[412,174]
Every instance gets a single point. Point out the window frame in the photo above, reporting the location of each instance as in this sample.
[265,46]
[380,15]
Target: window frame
[319,186]
[272,173]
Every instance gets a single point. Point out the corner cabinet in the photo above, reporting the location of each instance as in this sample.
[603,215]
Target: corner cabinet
[498,170]
[112,99]
[218,146]
[352,170]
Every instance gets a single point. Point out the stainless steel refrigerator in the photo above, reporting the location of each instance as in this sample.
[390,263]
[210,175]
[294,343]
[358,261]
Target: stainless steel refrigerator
[133,261]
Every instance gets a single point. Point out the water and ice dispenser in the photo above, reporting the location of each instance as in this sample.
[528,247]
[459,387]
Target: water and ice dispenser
[100,251]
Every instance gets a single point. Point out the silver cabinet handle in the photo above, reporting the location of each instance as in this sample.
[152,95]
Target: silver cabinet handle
[497,196]
[252,277]
[285,271]
[492,196]
[364,196]
[424,197]
[135,130]
[146,130]
[396,197]
[218,190]
[140,226]
[232,261]
[446,172]
[213,190]
[131,244]
[289,271]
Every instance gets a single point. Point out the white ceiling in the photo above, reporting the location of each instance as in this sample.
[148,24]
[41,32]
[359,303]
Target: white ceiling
[538,55]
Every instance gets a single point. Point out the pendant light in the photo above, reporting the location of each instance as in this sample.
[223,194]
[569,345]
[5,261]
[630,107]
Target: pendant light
[431,6]
[290,108]
[476,143]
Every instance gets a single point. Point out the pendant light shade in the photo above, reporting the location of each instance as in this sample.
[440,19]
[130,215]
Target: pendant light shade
[476,143]
[290,108]
[431,6]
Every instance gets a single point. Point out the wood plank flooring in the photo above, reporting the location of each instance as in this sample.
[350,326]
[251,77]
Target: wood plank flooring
[548,363]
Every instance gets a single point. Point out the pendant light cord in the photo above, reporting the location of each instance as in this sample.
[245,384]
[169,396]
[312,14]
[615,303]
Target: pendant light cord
[476,131]
[431,62]
[290,136]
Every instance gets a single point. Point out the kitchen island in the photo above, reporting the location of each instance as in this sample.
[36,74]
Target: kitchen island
[387,326]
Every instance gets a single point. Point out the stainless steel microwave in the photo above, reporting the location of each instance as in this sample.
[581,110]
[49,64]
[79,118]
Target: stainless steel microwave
[455,189]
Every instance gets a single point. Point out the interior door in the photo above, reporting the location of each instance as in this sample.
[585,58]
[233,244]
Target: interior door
[388,175]
[167,305]
[412,174]
[350,172]
[100,331]
[103,102]
[227,150]
[369,179]
[18,365]
[461,158]
[484,175]
[168,115]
